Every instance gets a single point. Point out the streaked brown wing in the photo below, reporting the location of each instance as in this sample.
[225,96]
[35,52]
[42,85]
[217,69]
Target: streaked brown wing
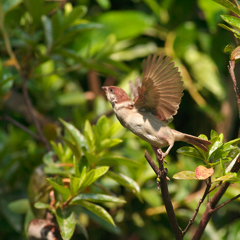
[161,89]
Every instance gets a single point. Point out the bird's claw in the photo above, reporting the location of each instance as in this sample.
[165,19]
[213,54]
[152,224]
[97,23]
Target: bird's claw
[161,155]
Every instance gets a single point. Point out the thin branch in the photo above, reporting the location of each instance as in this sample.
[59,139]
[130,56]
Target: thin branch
[231,71]
[152,163]
[24,79]
[225,203]
[206,192]
[19,125]
[31,110]
[221,191]
[162,174]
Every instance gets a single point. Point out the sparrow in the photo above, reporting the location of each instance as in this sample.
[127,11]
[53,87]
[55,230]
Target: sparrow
[155,102]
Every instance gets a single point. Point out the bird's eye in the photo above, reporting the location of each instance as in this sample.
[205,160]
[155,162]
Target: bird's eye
[111,90]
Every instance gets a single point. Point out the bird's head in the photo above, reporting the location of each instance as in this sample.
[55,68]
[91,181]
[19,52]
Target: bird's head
[116,95]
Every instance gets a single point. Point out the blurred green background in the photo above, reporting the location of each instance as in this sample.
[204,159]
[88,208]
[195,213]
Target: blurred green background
[67,50]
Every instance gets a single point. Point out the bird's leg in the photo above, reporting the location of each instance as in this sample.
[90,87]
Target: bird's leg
[167,152]
[159,154]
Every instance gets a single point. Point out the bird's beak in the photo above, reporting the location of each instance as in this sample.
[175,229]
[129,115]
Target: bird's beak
[105,89]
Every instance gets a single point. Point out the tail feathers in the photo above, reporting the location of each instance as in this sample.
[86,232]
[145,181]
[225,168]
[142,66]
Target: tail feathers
[201,143]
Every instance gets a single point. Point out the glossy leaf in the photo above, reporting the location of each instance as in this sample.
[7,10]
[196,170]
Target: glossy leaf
[118,160]
[190,151]
[93,175]
[82,228]
[233,21]
[94,197]
[99,211]
[91,158]
[65,192]
[8,5]
[75,134]
[75,184]
[66,222]
[73,147]
[77,12]
[40,205]
[19,206]
[231,30]
[107,143]
[229,5]
[203,173]
[185,175]
[229,177]
[126,182]
[48,32]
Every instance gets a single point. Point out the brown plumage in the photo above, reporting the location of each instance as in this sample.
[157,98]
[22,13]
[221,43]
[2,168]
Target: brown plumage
[155,103]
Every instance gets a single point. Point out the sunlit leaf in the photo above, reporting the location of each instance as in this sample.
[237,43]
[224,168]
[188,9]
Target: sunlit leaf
[76,136]
[66,222]
[190,151]
[229,5]
[185,175]
[19,206]
[95,197]
[118,160]
[93,175]
[99,211]
[233,21]
[47,26]
[126,182]
[77,12]
[229,177]
[40,205]
[65,192]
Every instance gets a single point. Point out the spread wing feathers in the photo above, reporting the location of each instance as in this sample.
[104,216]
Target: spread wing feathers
[161,89]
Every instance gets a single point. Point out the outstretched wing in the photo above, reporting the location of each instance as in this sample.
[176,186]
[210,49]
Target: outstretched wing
[161,88]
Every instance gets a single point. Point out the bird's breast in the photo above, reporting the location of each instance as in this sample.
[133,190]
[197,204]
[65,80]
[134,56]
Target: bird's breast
[143,124]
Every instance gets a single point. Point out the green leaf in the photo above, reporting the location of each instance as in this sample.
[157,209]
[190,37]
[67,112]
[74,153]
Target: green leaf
[222,166]
[229,177]
[82,228]
[99,211]
[66,222]
[73,147]
[104,4]
[75,184]
[8,5]
[227,4]
[192,152]
[48,32]
[107,143]
[75,134]
[93,175]
[20,206]
[65,192]
[94,197]
[126,182]
[185,175]
[35,8]
[118,160]
[234,142]
[40,205]
[77,12]
[228,48]
[91,158]
[231,30]
[233,21]
[88,133]
[115,20]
